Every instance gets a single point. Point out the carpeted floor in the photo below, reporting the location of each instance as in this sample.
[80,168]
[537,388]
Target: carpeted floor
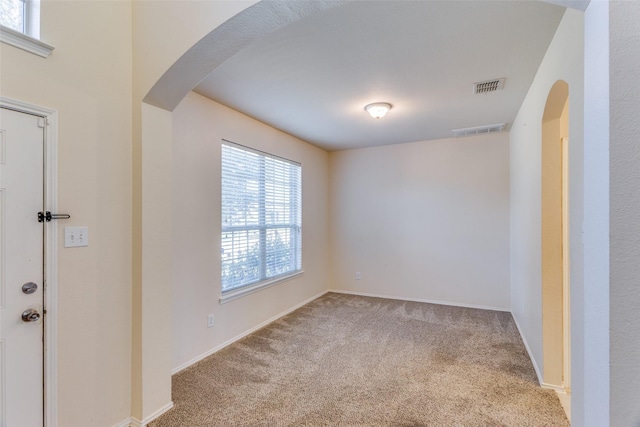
[346,360]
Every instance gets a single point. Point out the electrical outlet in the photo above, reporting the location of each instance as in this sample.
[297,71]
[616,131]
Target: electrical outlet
[358,276]
[210,321]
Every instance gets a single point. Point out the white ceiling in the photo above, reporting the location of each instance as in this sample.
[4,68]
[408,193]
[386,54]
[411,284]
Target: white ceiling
[312,78]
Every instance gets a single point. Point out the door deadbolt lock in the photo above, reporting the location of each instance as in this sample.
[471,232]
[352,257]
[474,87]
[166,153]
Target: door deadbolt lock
[30,315]
[29,288]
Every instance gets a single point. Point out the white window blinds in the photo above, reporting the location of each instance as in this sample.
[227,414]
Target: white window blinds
[261,217]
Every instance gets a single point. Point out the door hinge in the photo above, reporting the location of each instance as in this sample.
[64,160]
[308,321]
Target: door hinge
[48,216]
[42,122]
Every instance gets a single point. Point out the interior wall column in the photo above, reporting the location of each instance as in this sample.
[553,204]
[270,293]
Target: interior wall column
[590,298]
[152,247]
[624,143]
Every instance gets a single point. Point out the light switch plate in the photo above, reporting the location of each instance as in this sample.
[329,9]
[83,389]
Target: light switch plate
[76,237]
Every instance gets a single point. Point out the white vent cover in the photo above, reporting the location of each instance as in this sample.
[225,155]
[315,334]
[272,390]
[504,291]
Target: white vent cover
[479,130]
[488,86]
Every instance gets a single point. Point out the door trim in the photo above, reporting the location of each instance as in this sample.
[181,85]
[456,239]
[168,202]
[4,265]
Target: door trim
[51,254]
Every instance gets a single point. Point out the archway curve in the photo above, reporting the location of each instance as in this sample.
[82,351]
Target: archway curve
[556,99]
[235,34]
[554,235]
[226,40]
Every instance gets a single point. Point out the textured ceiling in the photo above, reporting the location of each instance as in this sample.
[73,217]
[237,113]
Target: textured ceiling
[313,77]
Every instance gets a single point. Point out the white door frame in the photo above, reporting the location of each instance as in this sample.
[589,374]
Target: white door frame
[50,284]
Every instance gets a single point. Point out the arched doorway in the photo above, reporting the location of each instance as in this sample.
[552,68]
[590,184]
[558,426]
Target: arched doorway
[152,166]
[555,240]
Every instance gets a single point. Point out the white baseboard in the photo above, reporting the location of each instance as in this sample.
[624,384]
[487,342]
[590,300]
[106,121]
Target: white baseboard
[123,423]
[429,301]
[244,334]
[526,345]
[558,388]
[134,422]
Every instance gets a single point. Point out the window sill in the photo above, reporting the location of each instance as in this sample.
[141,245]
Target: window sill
[230,296]
[24,42]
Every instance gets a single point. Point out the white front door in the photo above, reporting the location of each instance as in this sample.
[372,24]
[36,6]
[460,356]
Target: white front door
[21,263]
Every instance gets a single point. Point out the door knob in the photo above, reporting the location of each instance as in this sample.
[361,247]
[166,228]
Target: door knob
[30,315]
[29,288]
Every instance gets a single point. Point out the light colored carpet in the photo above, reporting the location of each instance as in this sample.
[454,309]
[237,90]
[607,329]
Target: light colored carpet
[346,360]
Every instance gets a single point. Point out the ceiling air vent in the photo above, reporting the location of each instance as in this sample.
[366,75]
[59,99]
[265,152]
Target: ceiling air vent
[488,86]
[479,130]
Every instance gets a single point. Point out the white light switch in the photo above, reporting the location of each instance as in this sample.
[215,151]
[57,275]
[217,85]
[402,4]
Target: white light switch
[76,236]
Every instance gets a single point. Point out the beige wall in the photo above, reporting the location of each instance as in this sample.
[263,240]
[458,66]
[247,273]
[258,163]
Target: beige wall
[427,220]
[87,80]
[563,61]
[199,125]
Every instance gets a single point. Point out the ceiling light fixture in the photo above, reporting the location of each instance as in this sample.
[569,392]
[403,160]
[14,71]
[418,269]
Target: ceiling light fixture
[378,110]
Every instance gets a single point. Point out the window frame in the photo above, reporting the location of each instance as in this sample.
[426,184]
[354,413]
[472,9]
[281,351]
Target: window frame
[294,225]
[29,39]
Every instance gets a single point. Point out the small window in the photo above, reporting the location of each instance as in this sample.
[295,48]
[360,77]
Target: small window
[22,16]
[20,26]
[261,218]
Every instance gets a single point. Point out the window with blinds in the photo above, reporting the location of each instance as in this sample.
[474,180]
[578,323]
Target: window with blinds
[261,217]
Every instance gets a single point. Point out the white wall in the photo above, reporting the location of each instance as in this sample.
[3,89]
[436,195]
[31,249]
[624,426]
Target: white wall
[591,390]
[426,220]
[87,79]
[563,61]
[199,124]
[625,212]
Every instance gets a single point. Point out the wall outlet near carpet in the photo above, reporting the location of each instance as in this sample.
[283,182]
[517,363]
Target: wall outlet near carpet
[210,321]
[358,275]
